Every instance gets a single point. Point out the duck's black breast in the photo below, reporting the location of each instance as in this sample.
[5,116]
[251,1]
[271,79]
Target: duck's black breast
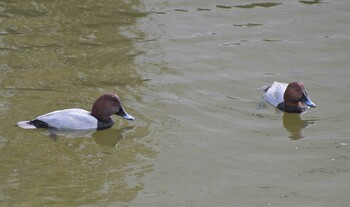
[105,124]
[291,109]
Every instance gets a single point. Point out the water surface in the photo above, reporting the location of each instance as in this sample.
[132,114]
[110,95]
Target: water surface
[189,72]
[219,147]
[57,55]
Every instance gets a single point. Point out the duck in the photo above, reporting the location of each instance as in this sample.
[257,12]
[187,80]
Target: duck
[80,119]
[291,98]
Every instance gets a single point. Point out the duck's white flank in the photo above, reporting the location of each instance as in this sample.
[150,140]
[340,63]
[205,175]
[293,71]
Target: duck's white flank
[79,119]
[274,95]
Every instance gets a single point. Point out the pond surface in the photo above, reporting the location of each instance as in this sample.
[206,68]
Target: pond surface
[189,72]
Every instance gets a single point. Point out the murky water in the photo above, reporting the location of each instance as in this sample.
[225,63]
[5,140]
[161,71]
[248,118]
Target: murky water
[57,55]
[189,72]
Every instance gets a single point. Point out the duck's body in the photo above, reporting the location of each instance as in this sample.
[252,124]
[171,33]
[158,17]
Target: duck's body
[290,97]
[80,119]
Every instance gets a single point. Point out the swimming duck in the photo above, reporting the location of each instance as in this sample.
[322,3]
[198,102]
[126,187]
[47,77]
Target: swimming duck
[290,97]
[80,119]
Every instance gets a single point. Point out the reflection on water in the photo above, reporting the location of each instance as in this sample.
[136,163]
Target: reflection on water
[311,2]
[291,122]
[108,137]
[295,125]
[253,5]
[55,133]
[250,6]
[111,137]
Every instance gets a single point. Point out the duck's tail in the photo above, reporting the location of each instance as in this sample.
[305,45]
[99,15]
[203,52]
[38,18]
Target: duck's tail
[264,88]
[26,125]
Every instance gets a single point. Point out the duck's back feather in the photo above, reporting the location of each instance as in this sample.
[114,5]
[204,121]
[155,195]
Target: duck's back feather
[274,94]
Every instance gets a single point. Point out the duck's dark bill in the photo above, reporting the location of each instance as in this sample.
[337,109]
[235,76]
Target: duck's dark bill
[128,117]
[125,115]
[305,99]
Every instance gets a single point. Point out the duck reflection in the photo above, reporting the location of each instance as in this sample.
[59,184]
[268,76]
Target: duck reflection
[68,133]
[110,137]
[294,124]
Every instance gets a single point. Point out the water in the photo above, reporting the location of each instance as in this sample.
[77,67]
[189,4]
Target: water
[54,56]
[189,73]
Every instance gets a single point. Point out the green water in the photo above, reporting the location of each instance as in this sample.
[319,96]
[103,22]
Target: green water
[57,55]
